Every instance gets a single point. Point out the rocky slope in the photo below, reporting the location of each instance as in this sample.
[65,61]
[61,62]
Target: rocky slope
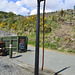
[59,29]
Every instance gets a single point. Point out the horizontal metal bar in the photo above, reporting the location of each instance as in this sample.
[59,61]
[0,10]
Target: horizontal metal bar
[10,39]
[12,47]
[40,0]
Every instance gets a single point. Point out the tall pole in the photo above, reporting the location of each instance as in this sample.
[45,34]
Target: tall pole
[37,40]
[43,34]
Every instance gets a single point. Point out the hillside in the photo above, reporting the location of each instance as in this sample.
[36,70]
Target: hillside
[59,28]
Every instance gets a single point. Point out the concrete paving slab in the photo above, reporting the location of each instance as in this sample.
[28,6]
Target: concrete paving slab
[56,61]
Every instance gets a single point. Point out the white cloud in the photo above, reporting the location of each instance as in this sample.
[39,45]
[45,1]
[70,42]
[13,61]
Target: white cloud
[23,11]
[11,7]
[51,5]
[30,3]
[34,11]
[3,4]
[19,3]
[18,7]
[69,4]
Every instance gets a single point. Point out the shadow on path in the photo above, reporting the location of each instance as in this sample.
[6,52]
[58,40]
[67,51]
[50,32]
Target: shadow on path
[30,50]
[17,56]
[61,70]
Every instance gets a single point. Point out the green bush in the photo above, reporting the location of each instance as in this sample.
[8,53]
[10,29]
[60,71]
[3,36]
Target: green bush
[51,45]
[61,12]
[69,50]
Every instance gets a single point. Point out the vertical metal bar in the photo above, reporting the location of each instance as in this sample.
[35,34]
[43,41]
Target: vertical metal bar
[37,40]
[43,34]
[10,50]
[17,43]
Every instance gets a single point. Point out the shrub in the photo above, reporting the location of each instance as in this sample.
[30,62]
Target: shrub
[61,12]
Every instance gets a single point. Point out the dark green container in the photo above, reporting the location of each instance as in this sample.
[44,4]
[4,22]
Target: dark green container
[19,43]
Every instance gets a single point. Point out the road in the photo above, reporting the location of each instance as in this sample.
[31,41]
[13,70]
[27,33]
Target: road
[58,62]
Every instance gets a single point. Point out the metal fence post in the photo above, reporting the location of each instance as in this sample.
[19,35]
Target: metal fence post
[17,44]
[10,50]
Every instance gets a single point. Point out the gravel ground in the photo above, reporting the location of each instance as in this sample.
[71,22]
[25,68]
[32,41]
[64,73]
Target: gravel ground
[8,68]
[23,63]
[15,67]
[61,63]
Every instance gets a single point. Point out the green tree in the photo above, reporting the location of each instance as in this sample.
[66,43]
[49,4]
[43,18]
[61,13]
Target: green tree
[10,14]
[1,16]
[61,12]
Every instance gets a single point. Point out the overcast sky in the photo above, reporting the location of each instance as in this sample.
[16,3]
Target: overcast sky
[23,7]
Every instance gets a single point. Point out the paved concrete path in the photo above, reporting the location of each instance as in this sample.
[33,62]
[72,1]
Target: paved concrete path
[9,68]
[59,62]
[15,67]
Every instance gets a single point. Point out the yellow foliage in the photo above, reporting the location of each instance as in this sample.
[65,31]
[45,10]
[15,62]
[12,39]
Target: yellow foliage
[15,23]
[44,25]
[27,24]
[45,18]
[2,24]
[13,26]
